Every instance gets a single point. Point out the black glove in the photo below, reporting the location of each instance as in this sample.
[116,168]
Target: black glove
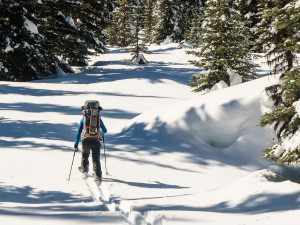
[76,147]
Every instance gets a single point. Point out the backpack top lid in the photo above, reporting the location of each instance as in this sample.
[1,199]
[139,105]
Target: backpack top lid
[91,104]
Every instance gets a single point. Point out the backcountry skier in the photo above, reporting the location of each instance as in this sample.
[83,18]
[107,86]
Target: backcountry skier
[91,135]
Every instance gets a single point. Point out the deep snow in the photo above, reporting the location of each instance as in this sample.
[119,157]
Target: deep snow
[173,156]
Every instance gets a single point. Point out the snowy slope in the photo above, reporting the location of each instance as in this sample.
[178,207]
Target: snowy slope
[224,121]
[173,157]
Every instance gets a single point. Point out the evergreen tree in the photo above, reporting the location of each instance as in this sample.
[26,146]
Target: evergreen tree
[249,10]
[137,41]
[24,55]
[180,22]
[62,34]
[286,121]
[120,30]
[194,18]
[283,41]
[92,20]
[149,21]
[273,34]
[72,29]
[224,53]
[164,20]
[174,18]
[37,37]
[112,28]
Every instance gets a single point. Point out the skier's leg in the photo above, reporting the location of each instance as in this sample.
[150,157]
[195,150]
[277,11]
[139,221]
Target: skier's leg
[85,157]
[96,160]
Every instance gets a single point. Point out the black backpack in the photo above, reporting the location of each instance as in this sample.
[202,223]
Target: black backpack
[91,121]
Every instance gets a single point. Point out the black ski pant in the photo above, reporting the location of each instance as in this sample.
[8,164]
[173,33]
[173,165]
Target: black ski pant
[87,147]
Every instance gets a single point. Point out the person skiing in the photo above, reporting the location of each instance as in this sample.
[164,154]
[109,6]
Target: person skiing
[88,145]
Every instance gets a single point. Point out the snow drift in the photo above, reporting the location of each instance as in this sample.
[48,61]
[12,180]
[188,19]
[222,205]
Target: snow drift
[221,121]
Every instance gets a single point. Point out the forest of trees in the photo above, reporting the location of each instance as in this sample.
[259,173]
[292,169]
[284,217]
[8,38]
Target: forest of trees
[41,37]
[38,37]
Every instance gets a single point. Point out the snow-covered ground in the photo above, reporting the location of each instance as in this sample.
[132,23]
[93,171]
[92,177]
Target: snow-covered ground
[173,156]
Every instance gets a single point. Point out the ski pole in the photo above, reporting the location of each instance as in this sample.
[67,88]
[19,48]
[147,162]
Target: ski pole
[71,165]
[105,156]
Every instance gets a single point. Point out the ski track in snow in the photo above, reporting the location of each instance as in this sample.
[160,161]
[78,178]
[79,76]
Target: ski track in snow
[111,203]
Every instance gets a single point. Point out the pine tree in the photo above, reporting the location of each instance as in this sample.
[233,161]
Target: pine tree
[273,34]
[174,18]
[249,10]
[180,24]
[194,18]
[164,20]
[24,55]
[38,37]
[224,54]
[112,28]
[137,38]
[286,121]
[72,29]
[283,42]
[91,20]
[149,21]
[119,30]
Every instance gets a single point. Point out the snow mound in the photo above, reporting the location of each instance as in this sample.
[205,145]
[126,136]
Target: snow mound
[260,190]
[220,120]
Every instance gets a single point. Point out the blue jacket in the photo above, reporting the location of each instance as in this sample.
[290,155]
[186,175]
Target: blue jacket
[80,127]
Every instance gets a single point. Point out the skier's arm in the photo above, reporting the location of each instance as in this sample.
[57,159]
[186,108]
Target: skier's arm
[104,130]
[80,127]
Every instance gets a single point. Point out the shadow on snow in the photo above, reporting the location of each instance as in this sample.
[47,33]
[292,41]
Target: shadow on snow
[47,204]
[153,72]
[12,130]
[154,185]
[260,203]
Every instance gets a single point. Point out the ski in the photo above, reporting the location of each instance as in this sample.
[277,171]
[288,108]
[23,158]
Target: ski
[100,197]
[86,175]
